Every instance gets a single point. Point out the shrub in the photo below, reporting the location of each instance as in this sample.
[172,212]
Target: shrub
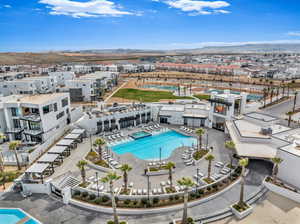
[110,222]
[200,191]
[144,201]
[176,197]
[92,197]
[123,222]
[97,201]
[193,195]
[84,194]
[171,198]
[190,220]
[127,202]
[105,199]
[135,202]
[208,188]
[155,200]
[76,193]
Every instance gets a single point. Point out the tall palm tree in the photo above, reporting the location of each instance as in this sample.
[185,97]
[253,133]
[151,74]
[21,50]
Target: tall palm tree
[81,165]
[231,147]
[99,142]
[271,95]
[125,168]
[111,178]
[265,94]
[2,137]
[13,145]
[209,158]
[290,114]
[243,163]
[295,101]
[276,161]
[186,183]
[170,166]
[200,132]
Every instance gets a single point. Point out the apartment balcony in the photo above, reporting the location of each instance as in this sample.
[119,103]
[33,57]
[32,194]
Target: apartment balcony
[14,130]
[31,117]
[33,132]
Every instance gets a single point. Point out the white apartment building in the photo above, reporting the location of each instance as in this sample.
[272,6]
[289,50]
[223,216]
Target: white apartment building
[34,118]
[31,85]
[92,86]
[225,107]
[62,77]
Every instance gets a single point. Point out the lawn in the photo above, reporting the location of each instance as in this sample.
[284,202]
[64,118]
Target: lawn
[146,95]
[202,96]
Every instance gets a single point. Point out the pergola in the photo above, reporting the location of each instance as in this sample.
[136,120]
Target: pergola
[67,142]
[79,131]
[52,159]
[75,136]
[63,151]
[40,170]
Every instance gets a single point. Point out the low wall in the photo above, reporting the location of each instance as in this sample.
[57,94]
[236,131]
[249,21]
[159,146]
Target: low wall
[141,211]
[282,191]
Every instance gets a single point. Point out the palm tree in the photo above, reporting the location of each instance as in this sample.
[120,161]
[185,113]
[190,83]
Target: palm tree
[265,92]
[99,142]
[271,95]
[230,146]
[2,137]
[170,166]
[111,178]
[290,114]
[277,93]
[295,101]
[276,161]
[81,165]
[209,158]
[125,168]
[200,132]
[13,145]
[186,183]
[243,163]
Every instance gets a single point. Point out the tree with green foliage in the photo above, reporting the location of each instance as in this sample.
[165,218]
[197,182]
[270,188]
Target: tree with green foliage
[243,163]
[276,161]
[111,178]
[209,158]
[125,168]
[99,142]
[186,183]
[170,166]
[13,146]
[81,165]
[200,132]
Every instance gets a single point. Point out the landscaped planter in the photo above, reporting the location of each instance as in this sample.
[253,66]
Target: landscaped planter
[121,222]
[96,167]
[285,192]
[176,221]
[243,214]
[159,172]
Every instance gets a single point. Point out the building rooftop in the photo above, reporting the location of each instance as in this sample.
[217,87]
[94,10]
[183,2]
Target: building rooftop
[32,99]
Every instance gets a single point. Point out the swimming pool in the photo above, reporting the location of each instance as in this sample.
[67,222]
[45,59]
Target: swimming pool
[163,87]
[140,134]
[249,97]
[147,148]
[13,216]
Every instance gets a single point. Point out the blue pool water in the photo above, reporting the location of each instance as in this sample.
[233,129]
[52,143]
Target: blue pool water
[140,134]
[12,216]
[249,97]
[170,88]
[147,148]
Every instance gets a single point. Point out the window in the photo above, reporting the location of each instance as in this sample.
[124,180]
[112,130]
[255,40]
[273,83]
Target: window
[55,107]
[47,109]
[64,102]
[14,111]
[60,115]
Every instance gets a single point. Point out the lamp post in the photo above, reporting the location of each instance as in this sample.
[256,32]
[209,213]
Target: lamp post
[97,181]
[206,140]
[160,156]
[197,178]
[148,187]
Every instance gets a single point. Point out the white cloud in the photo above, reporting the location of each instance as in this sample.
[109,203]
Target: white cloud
[196,7]
[91,8]
[7,6]
[294,33]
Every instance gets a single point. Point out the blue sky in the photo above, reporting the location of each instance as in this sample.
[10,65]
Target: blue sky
[42,25]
